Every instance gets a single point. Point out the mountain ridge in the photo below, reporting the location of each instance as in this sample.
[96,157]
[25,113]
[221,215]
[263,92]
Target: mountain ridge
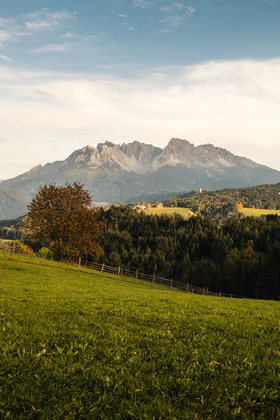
[118,173]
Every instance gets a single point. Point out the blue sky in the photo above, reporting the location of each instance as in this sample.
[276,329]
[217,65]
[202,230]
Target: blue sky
[131,34]
[79,71]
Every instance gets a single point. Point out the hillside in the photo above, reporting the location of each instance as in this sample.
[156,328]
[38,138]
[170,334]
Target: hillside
[94,346]
[13,202]
[222,204]
[121,173]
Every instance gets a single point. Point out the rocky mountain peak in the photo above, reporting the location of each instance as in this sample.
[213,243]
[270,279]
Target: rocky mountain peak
[105,146]
[176,142]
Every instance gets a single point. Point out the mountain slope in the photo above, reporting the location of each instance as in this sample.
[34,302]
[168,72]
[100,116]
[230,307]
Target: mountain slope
[13,203]
[114,173]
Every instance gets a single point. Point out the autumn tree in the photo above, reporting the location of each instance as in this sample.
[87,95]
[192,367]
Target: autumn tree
[61,219]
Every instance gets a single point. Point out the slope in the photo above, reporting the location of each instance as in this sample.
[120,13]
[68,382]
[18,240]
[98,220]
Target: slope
[89,346]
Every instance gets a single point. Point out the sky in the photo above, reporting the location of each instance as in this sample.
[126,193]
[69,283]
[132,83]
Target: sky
[79,72]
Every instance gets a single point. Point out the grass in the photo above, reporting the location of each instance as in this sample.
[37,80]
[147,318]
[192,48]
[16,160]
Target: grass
[79,345]
[258,212]
[170,210]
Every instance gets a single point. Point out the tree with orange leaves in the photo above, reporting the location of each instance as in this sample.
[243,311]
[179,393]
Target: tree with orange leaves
[61,219]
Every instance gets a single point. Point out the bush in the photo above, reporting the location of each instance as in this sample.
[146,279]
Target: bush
[45,253]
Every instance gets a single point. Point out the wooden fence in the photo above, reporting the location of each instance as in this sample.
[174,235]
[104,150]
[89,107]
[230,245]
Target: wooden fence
[10,248]
[172,284]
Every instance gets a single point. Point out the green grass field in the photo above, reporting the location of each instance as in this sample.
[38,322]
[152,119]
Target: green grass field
[258,212]
[82,345]
[170,210]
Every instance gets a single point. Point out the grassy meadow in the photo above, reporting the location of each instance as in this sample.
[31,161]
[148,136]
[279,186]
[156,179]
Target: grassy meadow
[82,345]
[184,212]
[258,212]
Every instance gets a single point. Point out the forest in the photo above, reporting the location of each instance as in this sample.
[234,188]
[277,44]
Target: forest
[241,257]
[222,205]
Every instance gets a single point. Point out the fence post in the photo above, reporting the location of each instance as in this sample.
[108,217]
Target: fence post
[187,287]
[220,295]
[102,268]
[137,273]
[80,260]
[171,281]
[119,270]
[13,250]
[154,277]
[203,291]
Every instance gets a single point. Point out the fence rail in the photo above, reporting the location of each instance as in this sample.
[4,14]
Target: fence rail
[186,287]
[10,248]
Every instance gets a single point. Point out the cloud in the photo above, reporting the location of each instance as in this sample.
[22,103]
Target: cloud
[69,35]
[11,30]
[123,16]
[232,104]
[57,48]
[40,24]
[190,10]
[173,6]
[172,20]
[7,22]
[5,58]
[4,36]
[25,25]
[46,19]
[179,14]
[143,4]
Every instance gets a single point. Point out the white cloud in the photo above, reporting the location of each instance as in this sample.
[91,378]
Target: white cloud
[11,30]
[164,31]
[231,104]
[40,24]
[57,48]
[7,22]
[172,20]
[143,4]
[4,36]
[5,58]
[69,35]
[123,16]
[172,6]
[46,19]
[190,10]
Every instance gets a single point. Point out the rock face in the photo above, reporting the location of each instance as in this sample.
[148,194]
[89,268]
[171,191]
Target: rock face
[114,173]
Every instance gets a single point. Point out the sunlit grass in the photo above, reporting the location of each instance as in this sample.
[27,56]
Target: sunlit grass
[170,210]
[258,212]
[80,345]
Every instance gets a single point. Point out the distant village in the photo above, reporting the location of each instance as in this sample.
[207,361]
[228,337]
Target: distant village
[144,206]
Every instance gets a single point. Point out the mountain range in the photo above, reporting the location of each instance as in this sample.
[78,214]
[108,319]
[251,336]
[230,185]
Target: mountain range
[129,172]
